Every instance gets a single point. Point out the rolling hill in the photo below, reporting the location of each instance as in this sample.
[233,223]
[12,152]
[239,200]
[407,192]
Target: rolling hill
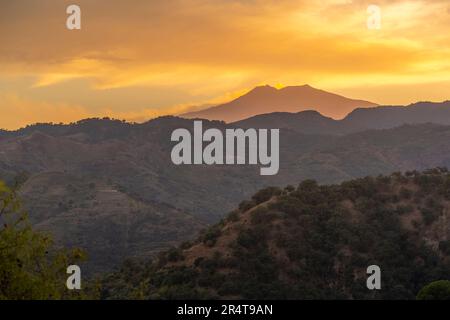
[310,242]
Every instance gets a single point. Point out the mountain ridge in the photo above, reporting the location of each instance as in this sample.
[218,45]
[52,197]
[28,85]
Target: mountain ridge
[267,99]
[379,117]
[360,119]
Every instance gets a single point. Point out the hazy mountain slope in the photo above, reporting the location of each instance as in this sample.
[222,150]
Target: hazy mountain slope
[306,122]
[313,242]
[385,117]
[312,122]
[267,99]
[103,219]
[134,168]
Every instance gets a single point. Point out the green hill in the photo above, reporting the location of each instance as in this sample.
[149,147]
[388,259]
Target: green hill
[310,242]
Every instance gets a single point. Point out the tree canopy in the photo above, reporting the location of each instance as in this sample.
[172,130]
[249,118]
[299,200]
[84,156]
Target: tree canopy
[438,290]
[31,268]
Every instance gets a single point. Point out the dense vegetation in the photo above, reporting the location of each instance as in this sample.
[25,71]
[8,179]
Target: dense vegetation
[31,268]
[306,242]
[311,242]
[438,290]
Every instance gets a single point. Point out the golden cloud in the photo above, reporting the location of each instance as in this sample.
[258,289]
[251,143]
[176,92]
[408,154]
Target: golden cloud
[205,48]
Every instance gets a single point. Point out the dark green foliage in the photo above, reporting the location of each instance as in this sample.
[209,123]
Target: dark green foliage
[210,236]
[266,194]
[185,245]
[444,246]
[31,268]
[127,282]
[316,242]
[429,216]
[174,255]
[233,216]
[438,290]
[263,215]
[246,205]
[404,209]
[405,193]
[175,284]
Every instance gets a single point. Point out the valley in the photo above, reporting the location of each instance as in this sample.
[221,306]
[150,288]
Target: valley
[111,188]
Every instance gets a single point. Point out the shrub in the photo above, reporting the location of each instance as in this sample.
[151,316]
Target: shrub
[438,290]
[429,216]
[246,205]
[233,216]
[210,236]
[444,246]
[262,216]
[174,255]
[266,194]
[405,193]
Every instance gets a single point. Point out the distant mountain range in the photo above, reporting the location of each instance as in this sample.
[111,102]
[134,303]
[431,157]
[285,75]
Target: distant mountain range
[266,99]
[110,186]
[383,117]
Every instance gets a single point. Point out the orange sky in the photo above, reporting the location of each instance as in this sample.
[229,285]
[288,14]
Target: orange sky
[143,58]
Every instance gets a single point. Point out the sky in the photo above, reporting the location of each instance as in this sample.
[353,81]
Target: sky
[140,59]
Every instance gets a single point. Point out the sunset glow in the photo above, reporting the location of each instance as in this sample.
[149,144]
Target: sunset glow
[136,60]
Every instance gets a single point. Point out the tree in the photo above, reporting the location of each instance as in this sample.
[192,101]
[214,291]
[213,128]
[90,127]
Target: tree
[30,267]
[438,290]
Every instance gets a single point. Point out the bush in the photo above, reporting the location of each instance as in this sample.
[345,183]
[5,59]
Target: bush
[429,216]
[246,239]
[266,194]
[438,290]
[246,205]
[444,247]
[174,255]
[405,193]
[401,209]
[210,236]
[262,216]
[31,268]
[233,216]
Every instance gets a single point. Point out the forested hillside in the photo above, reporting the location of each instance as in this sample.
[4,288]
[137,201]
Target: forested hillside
[110,187]
[310,242]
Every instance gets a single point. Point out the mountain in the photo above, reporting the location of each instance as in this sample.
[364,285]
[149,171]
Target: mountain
[109,223]
[305,122]
[266,99]
[385,117]
[310,242]
[382,117]
[110,187]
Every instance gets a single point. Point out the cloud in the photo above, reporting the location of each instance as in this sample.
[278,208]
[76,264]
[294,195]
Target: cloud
[18,112]
[200,49]
[235,34]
